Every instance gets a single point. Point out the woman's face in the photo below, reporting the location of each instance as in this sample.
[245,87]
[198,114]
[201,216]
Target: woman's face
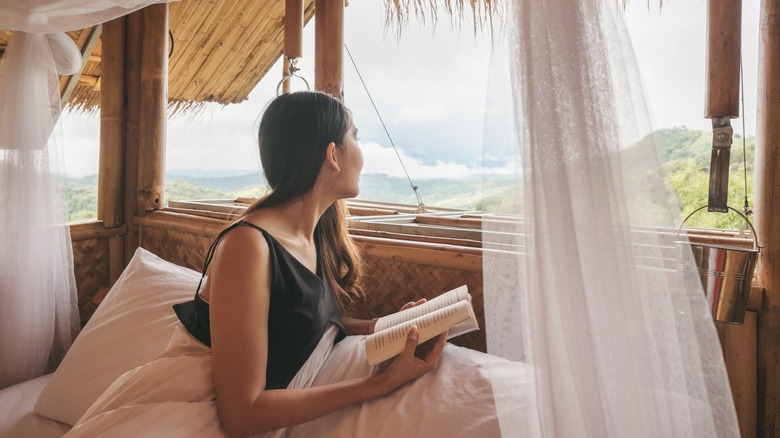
[352,158]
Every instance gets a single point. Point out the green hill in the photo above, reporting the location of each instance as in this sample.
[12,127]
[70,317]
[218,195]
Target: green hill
[684,154]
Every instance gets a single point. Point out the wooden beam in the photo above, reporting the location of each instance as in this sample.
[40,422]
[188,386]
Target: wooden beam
[92,81]
[767,218]
[86,51]
[153,117]
[329,47]
[112,121]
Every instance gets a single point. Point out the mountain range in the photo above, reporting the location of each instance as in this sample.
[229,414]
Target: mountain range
[683,153]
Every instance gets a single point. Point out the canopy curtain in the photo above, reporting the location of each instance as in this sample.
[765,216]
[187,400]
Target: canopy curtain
[39,314]
[583,286]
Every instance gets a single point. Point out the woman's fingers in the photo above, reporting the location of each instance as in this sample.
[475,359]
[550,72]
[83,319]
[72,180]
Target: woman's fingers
[412,336]
[407,366]
[439,346]
[430,350]
[411,304]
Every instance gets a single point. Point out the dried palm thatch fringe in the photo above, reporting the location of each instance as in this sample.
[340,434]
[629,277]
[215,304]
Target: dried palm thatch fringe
[398,12]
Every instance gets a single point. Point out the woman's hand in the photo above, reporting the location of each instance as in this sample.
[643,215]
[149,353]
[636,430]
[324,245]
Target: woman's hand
[413,362]
[411,304]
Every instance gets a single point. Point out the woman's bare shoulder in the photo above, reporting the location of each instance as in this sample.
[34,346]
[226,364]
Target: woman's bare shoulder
[240,242]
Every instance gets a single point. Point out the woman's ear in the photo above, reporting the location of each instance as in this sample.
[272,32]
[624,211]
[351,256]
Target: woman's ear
[331,158]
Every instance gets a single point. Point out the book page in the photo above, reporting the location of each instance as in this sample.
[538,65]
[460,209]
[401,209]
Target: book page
[443,300]
[388,343]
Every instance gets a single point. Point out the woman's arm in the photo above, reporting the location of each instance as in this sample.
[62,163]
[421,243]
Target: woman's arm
[355,326]
[239,294]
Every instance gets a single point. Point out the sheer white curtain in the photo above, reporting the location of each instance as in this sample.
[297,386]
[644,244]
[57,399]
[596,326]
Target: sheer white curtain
[38,304]
[593,296]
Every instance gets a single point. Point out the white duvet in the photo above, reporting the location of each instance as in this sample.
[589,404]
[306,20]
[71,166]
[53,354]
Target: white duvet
[173,395]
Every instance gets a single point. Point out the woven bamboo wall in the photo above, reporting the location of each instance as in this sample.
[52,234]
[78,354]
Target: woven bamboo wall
[179,247]
[90,260]
[392,279]
[390,283]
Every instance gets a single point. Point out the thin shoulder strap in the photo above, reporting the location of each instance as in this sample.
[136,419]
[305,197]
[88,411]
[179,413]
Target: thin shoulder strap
[213,247]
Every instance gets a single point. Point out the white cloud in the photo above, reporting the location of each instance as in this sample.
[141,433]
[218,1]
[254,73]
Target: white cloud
[416,114]
[383,160]
[81,143]
[430,76]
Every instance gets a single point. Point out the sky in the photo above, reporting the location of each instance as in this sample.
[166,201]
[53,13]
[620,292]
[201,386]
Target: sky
[433,86]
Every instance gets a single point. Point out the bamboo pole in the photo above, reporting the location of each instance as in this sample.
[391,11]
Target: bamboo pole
[86,51]
[740,357]
[426,239]
[329,47]
[154,98]
[116,249]
[285,74]
[443,259]
[367,211]
[767,219]
[418,230]
[198,225]
[94,230]
[110,208]
[293,29]
[413,246]
[449,221]
[724,23]
[227,217]
[134,34]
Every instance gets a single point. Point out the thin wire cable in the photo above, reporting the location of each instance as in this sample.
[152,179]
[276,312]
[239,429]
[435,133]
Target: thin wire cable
[411,184]
[744,134]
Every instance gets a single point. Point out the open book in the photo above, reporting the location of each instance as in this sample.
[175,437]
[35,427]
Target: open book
[449,311]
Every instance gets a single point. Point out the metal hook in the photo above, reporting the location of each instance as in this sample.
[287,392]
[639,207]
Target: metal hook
[293,70]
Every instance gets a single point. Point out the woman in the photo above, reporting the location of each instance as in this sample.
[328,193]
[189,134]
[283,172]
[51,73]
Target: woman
[279,278]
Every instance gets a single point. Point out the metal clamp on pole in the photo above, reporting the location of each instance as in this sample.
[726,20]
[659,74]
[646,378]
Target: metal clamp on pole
[722,136]
[724,36]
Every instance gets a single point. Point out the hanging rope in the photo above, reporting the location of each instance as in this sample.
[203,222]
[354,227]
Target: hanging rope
[420,204]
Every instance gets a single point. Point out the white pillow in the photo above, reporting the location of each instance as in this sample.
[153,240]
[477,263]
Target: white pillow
[131,326]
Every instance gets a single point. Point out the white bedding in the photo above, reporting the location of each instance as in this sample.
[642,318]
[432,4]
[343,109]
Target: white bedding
[16,412]
[160,392]
[173,395]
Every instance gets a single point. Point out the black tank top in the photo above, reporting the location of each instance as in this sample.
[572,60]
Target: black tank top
[301,307]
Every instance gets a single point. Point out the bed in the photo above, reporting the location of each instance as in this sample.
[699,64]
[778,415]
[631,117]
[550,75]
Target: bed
[129,374]
[17,418]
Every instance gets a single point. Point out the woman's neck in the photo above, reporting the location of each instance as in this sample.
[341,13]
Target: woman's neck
[298,218]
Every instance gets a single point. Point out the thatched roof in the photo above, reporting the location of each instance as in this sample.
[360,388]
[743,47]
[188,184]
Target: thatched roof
[221,49]
[399,12]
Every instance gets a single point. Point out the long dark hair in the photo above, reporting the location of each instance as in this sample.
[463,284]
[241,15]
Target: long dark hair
[293,137]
